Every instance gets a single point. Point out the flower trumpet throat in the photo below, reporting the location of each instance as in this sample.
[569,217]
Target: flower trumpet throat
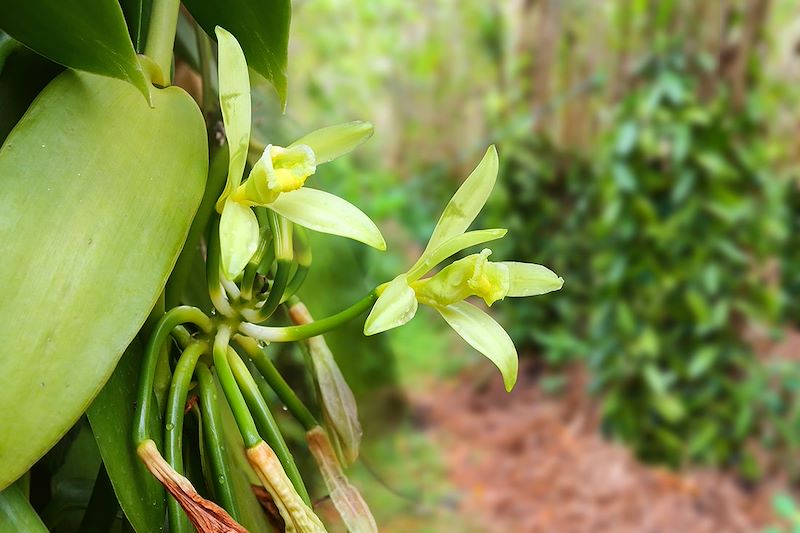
[473,275]
[205,515]
[297,516]
[278,170]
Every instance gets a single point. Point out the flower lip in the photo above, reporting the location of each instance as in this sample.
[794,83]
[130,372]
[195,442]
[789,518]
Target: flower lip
[473,275]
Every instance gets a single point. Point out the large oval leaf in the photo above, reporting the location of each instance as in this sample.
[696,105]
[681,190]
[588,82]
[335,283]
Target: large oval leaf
[88,35]
[260,26]
[98,192]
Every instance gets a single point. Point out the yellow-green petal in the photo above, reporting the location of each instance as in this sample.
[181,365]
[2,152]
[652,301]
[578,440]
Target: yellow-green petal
[234,98]
[450,247]
[485,335]
[327,213]
[238,237]
[466,203]
[396,305]
[336,141]
[529,279]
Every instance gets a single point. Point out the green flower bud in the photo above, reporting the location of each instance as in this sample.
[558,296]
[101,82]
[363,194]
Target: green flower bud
[474,275]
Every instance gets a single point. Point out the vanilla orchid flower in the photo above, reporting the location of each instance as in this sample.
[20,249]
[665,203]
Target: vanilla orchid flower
[277,180]
[473,275]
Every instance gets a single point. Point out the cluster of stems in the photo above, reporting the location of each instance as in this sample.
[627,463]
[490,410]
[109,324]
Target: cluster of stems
[192,352]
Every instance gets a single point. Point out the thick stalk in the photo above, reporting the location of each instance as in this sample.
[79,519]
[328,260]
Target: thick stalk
[173,434]
[176,316]
[161,36]
[276,382]
[265,422]
[244,420]
[215,441]
[318,327]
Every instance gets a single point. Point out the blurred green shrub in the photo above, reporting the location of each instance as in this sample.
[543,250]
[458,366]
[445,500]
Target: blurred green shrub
[689,217]
[546,203]
[790,257]
[665,239]
[775,387]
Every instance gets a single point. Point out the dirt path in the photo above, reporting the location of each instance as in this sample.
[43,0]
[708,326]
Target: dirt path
[533,462]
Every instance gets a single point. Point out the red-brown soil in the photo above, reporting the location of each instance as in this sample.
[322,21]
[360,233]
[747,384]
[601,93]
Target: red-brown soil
[536,462]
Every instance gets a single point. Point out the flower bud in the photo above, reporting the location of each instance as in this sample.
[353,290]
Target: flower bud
[473,275]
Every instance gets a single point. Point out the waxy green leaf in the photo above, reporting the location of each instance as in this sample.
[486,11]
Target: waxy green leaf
[24,74]
[137,16]
[260,26]
[99,191]
[16,513]
[88,35]
[140,495]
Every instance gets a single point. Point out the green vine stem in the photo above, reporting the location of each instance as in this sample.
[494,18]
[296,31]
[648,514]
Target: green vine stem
[206,57]
[217,174]
[273,300]
[302,257]
[144,395]
[284,254]
[221,478]
[173,429]
[244,420]
[161,36]
[268,372]
[251,269]
[266,422]
[318,327]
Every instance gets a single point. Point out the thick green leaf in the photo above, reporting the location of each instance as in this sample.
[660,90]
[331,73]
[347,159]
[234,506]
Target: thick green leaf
[16,514]
[23,76]
[88,35]
[99,190]
[260,26]
[137,16]
[111,416]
